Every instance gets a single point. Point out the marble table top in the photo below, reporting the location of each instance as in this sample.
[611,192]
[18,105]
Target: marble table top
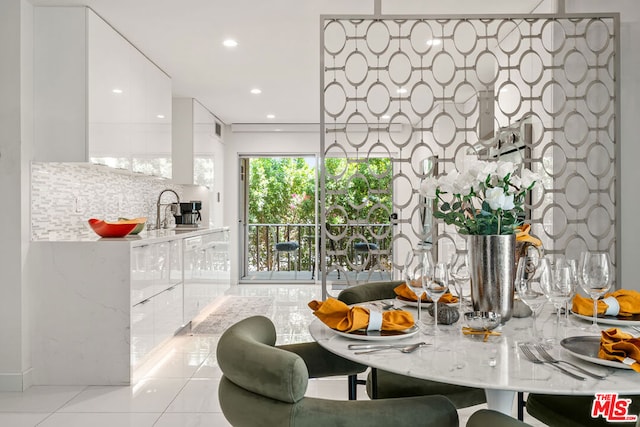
[496,364]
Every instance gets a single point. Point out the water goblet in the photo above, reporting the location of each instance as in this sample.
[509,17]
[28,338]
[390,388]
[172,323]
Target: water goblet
[459,272]
[413,274]
[436,287]
[595,279]
[530,291]
[559,287]
[572,265]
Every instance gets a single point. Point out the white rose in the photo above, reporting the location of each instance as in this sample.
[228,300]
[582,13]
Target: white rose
[496,198]
[505,168]
[484,170]
[465,182]
[508,203]
[527,178]
[448,182]
[428,188]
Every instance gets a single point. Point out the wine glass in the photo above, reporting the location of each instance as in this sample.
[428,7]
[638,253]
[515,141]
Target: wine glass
[559,287]
[530,291]
[436,287]
[572,265]
[460,274]
[595,280]
[413,273]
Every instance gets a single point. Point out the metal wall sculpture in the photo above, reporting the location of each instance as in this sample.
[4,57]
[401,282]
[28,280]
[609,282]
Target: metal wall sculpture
[428,91]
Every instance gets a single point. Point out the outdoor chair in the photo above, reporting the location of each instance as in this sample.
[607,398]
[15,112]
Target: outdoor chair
[263,385]
[290,248]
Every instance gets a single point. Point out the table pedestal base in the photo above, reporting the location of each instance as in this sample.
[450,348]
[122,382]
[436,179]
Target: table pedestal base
[500,400]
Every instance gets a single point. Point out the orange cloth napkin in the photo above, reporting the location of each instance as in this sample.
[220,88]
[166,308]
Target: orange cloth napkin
[522,235]
[629,301]
[405,292]
[337,315]
[617,345]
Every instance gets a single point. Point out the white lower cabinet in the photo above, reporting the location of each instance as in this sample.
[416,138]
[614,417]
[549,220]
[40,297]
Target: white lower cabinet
[167,307]
[124,300]
[171,283]
[206,271]
[142,331]
[156,296]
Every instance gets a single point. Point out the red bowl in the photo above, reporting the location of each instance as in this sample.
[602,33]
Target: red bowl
[111,229]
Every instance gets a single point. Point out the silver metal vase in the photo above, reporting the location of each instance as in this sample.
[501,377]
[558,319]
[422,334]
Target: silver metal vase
[492,271]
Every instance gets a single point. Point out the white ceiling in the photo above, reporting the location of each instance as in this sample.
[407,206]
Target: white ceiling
[278,49]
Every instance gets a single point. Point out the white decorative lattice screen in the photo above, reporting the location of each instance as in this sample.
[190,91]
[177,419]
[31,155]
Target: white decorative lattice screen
[425,92]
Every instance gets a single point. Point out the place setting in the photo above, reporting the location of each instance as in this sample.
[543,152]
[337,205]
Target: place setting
[364,321]
[539,281]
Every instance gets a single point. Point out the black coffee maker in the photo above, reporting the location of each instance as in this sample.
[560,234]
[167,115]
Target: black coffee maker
[190,214]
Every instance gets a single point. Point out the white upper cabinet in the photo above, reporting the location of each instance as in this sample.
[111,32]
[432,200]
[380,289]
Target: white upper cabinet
[115,106]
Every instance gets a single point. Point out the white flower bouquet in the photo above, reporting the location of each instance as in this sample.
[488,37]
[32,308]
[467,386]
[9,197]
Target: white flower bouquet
[484,198]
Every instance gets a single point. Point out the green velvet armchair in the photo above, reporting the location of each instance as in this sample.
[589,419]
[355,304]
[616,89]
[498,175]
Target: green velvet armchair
[263,385]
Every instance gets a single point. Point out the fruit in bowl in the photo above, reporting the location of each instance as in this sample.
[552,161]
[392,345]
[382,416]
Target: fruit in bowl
[140,222]
[111,229]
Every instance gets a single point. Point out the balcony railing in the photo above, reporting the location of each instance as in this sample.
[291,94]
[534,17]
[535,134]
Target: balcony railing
[262,255]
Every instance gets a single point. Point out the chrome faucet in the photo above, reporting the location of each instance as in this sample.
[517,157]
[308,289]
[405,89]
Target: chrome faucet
[175,208]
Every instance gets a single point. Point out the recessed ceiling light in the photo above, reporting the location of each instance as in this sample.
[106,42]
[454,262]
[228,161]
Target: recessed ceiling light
[256,91]
[385,117]
[402,90]
[116,90]
[434,42]
[504,89]
[160,116]
[271,116]
[230,43]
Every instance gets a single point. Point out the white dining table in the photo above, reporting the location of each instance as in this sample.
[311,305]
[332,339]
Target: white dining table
[497,365]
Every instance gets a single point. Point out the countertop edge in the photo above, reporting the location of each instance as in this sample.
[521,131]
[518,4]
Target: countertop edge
[144,238]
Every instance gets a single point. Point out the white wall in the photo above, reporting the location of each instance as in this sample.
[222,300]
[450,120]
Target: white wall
[16,139]
[255,143]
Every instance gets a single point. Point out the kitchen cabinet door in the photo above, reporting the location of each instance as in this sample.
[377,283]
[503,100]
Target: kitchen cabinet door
[193,287]
[167,307]
[152,125]
[142,331]
[206,271]
[96,96]
[144,273]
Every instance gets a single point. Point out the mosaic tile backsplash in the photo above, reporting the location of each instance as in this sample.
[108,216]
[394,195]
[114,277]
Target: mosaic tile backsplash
[65,195]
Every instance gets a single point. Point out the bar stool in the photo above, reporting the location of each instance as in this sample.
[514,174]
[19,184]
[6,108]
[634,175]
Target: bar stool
[288,248]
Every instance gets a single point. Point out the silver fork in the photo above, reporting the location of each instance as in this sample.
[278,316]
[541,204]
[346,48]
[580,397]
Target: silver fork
[635,328]
[549,358]
[533,358]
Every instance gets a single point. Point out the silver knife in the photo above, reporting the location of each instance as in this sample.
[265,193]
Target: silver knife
[376,346]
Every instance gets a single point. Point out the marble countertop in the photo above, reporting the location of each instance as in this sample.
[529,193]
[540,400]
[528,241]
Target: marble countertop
[145,237]
[497,364]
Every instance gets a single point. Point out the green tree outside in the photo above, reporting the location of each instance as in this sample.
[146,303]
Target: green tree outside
[282,191]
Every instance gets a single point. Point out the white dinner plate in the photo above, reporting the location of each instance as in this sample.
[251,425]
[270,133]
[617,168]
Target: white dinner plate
[612,320]
[378,335]
[586,348]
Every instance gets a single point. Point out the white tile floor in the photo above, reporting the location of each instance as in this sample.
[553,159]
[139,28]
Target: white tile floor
[179,388]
